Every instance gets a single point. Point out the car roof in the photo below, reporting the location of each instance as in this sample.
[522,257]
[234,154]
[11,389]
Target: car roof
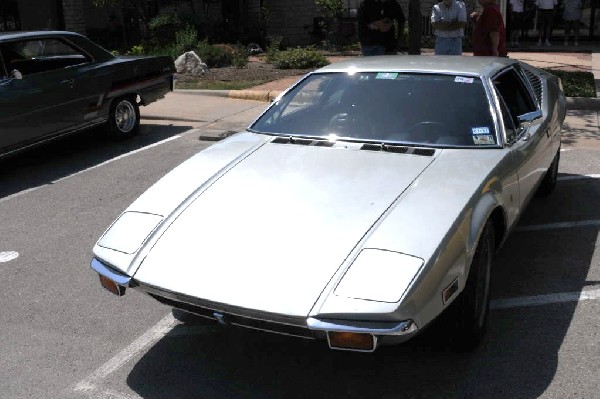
[34,34]
[459,65]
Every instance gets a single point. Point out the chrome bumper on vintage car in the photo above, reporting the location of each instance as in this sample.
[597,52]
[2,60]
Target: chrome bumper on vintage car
[349,335]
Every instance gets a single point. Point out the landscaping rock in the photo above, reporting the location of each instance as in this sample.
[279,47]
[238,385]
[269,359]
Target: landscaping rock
[189,63]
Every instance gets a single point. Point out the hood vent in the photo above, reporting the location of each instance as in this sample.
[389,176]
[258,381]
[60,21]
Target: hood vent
[398,149]
[302,141]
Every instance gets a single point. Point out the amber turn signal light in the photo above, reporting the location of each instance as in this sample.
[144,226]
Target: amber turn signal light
[351,341]
[111,286]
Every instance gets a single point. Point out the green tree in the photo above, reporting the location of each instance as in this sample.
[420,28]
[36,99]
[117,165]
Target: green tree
[329,10]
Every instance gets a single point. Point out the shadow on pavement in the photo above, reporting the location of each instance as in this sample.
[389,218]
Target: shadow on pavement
[518,357]
[55,160]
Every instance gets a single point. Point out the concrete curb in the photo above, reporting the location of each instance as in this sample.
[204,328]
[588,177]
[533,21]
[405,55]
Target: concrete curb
[573,103]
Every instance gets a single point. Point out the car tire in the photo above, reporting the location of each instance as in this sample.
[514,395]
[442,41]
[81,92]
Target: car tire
[472,306]
[123,118]
[549,181]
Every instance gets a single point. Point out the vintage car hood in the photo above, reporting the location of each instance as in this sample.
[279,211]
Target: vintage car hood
[270,232]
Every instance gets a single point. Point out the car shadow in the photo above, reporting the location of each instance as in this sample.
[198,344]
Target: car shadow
[50,162]
[517,358]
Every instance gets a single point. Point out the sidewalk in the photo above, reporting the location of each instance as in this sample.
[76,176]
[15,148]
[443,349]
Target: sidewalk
[572,61]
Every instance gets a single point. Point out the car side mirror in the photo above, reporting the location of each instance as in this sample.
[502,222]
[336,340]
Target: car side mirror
[525,122]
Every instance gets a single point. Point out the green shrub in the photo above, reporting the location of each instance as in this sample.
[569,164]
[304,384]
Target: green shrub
[240,56]
[185,40]
[164,20]
[576,83]
[138,49]
[214,56]
[298,58]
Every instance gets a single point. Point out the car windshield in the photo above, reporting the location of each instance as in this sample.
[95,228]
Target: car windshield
[388,107]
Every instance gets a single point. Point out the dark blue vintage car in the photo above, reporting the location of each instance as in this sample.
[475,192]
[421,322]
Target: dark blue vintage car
[57,83]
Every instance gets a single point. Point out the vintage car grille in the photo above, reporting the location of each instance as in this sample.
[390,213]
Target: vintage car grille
[536,83]
[287,326]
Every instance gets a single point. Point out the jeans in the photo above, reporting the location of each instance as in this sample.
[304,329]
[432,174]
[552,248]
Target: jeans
[448,46]
[373,50]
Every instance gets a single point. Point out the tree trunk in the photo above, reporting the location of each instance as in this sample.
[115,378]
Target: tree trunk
[415,28]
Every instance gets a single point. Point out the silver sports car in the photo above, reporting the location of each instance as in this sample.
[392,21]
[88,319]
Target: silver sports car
[365,202]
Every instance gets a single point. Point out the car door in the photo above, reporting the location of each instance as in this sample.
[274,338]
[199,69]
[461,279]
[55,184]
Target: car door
[529,142]
[40,98]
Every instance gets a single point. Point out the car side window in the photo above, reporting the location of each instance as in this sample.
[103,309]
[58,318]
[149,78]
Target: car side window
[514,94]
[29,57]
[507,120]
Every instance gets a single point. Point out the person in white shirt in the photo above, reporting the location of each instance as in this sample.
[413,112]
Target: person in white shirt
[545,15]
[516,21]
[448,19]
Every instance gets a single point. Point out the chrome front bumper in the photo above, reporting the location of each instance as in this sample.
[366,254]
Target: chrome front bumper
[312,328]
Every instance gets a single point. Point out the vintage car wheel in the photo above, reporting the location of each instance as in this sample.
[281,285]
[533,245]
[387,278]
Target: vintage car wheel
[124,118]
[472,306]
[549,181]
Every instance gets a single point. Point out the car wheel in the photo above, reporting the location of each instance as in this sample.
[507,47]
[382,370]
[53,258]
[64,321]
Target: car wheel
[473,304]
[123,118]
[549,181]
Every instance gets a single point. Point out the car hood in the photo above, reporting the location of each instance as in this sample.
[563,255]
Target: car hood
[270,232]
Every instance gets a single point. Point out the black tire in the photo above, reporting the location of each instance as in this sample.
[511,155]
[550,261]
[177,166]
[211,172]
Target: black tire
[123,118]
[471,308]
[549,181]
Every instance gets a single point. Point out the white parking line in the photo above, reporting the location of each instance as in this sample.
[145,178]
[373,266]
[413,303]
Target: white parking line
[90,383]
[577,177]
[558,225]
[93,167]
[545,299]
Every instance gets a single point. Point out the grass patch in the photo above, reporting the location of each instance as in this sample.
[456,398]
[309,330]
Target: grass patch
[218,84]
[576,83]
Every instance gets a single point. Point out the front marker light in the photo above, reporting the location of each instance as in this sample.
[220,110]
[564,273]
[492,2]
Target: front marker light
[111,286]
[351,341]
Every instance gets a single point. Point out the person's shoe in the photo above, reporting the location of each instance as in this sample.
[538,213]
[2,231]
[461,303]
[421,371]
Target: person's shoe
[548,43]
[539,43]
[576,43]
[517,44]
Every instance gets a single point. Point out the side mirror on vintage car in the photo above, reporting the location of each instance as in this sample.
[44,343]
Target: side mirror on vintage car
[525,122]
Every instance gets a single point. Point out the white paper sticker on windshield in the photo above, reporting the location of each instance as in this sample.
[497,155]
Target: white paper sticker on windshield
[462,79]
[386,75]
[483,139]
[480,130]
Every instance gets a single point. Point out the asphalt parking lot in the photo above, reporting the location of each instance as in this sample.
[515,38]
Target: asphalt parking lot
[64,337]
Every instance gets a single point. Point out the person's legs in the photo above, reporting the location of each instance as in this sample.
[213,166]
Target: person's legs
[567,31]
[548,30]
[448,46]
[576,31]
[372,50]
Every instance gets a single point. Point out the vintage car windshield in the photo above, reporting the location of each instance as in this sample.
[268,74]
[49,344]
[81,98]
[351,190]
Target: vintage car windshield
[410,108]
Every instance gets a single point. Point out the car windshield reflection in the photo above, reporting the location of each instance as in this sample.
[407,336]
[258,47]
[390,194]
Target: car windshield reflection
[407,108]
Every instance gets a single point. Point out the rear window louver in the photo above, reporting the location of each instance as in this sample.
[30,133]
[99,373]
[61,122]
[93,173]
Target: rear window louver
[302,141]
[398,149]
[536,83]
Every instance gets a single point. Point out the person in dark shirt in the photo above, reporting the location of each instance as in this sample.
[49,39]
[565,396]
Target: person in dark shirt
[489,33]
[377,24]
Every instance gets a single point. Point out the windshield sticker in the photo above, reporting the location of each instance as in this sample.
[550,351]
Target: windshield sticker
[483,139]
[480,130]
[386,75]
[462,79]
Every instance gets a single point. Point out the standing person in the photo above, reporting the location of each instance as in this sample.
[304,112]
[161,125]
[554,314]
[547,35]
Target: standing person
[377,21]
[448,19]
[572,16]
[517,10]
[545,15]
[489,34]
